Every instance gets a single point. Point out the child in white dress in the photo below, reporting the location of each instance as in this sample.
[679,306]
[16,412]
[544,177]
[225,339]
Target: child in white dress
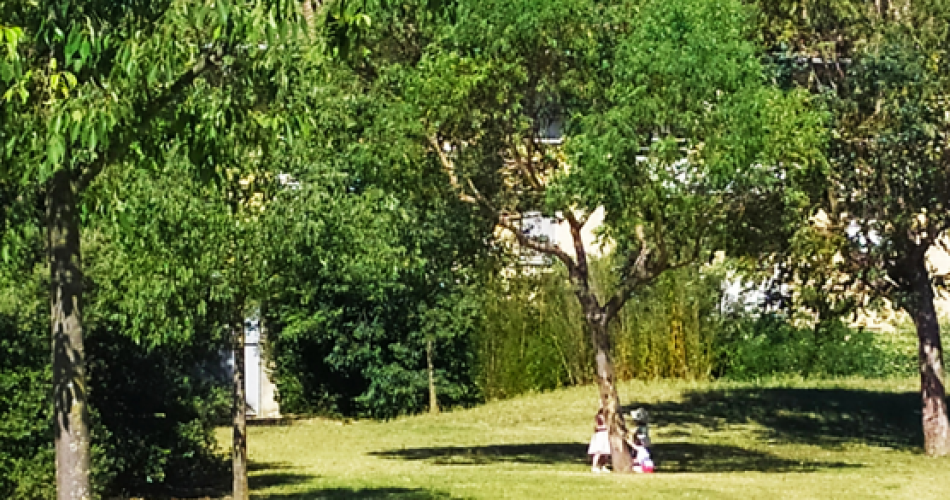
[599,443]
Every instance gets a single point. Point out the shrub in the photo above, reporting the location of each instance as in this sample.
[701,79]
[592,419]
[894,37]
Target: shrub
[770,344]
[365,355]
[533,337]
[530,336]
[152,413]
[26,437]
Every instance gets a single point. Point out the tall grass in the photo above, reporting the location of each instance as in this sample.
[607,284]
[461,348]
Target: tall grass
[668,329]
[533,336]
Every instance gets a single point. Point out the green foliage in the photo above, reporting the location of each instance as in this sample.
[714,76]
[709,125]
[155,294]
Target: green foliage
[155,410]
[153,402]
[95,86]
[373,255]
[153,426]
[179,120]
[891,130]
[770,345]
[671,328]
[26,467]
[690,148]
[354,308]
[530,336]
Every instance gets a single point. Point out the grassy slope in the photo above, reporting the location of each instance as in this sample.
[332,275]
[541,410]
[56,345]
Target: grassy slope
[830,439]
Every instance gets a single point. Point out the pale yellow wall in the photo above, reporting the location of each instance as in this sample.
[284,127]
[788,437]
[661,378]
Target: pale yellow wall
[938,261]
[269,406]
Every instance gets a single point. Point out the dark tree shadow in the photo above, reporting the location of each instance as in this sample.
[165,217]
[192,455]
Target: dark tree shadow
[262,475]
[542,453]
[690,457]
[218,483]
[670,457]
[822,417]
[360,494]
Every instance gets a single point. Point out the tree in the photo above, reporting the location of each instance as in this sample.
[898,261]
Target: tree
[375,257]
[89,85]
[884,71]
[891,181]
[671,127]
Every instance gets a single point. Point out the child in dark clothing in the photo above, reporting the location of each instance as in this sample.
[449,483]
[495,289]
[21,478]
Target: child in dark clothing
[639,441]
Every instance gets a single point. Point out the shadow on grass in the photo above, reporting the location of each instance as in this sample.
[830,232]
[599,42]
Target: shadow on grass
[263,475]
[359,494]
[280,476]
[541,453]
[689,457]
[670,457]
[822,417]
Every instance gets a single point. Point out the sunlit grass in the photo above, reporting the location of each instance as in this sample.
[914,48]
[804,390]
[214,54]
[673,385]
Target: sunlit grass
[783,438]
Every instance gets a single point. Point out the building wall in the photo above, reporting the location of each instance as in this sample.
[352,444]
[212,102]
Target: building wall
[261,391]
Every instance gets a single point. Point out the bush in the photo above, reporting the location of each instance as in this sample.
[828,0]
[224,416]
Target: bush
[152,412]
[770,344]
[358,355]
[532,336]
[669,328]
[26,437]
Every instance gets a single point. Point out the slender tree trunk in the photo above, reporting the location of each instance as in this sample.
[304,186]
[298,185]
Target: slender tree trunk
[433,399]
[598,321]
[70,412]
[239,407]
[609,398]
[930,362]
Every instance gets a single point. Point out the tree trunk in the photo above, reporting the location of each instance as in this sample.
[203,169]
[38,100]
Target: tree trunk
[930,362]
[238,409]
[70,412]
[609,398]
[433,399]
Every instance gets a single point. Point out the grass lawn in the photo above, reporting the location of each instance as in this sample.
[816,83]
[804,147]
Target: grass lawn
[779,439]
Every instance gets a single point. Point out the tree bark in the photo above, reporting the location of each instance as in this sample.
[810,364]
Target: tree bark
[239,408]
[598,318]
[70,395]
[930,361]
[433,399]
[609,398]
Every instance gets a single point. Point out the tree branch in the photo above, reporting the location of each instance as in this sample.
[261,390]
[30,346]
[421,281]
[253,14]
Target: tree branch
[526,167]
[449,168]
[580,252]
[545,248]
[637,276]
[120,143]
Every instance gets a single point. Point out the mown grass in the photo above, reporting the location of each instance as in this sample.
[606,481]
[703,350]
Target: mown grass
[777,439]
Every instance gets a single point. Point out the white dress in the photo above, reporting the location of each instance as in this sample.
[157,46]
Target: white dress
[599,444]
[600,441]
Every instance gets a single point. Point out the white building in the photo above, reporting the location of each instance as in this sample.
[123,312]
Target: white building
[260,391]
